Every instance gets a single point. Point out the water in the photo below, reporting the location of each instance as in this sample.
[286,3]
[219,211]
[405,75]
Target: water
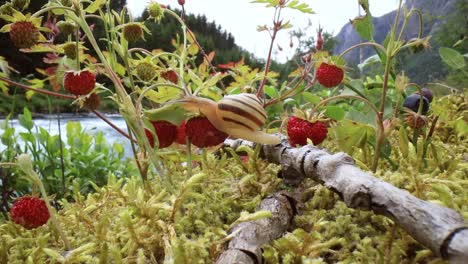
[91,124]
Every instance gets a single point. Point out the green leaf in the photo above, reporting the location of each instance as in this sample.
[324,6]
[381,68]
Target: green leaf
[334,112]
[163,94]
[303,7]
[452,58]
[350,134]
[95,6]
[172,113]
[270,91]
[25,119]
[311,98]
[363,24]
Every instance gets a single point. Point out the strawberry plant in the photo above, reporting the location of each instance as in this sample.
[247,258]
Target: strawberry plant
[190,197]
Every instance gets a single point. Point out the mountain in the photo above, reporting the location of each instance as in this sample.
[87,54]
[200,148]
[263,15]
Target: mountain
[435,12]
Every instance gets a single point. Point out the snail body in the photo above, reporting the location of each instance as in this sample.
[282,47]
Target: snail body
[240,115]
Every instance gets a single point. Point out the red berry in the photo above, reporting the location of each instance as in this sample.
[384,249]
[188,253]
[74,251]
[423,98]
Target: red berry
[180,138]
[170,76]
[181,2]
[299,130]
[416,121]
[30,212]
[24,34]
[318,133]
[202,133]
[329,75]
[79,82]
[166,133]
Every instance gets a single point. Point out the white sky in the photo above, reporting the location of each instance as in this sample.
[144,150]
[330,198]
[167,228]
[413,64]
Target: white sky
[240,18]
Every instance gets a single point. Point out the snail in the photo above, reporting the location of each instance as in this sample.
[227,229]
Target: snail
[239,115]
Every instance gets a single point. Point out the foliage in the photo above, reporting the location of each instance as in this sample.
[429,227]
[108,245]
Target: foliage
[78,157]
[183,205]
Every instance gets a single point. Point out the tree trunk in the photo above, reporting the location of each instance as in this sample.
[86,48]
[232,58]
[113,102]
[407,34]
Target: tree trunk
[438,228]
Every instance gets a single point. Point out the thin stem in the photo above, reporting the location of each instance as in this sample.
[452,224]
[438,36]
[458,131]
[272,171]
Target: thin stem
[46,92]
[270,51]
[397,19]
[50,8]
[377,45]
[147,52]
[98,114]
[62,165]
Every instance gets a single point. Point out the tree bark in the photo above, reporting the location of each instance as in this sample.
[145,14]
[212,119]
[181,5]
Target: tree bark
[245,247]
[440,229]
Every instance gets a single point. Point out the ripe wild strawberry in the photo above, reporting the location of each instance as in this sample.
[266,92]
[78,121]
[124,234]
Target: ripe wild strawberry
[170,76]
[181,2]
[329,75]
[181,135]
[79,82]
[165,131]
[29,212]
[24,34]
[202,133]
[92,102]
[133,32]
[299,130]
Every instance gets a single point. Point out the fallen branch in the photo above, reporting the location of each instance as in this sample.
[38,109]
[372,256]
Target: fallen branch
[438,228]
[245,247]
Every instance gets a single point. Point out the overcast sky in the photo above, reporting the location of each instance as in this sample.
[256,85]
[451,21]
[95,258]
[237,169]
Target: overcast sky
[240,18]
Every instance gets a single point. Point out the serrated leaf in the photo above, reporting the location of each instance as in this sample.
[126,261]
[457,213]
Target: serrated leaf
[364,27]
[25,119]
[351,134]
[311,98]
[172,113]
[452,58]
[303,7]
[334,112]
[270,91]
[95,6]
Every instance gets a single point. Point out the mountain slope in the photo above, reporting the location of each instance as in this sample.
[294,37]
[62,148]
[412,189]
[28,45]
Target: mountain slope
[434,12]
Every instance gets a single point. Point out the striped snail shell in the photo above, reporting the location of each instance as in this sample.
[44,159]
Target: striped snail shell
[239,115]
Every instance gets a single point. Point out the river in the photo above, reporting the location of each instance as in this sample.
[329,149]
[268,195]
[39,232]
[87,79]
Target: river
[90,123]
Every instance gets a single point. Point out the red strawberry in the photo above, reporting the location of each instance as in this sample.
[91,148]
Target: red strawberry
[170,76]
[180,138]
[79,82]
[202,133]
[181,2]
[329,75]
[30,212]
[299,130]
[24,34]
[166,133]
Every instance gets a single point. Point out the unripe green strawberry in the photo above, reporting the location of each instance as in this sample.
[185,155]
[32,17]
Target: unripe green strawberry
[92,101]
[30,212]
[20,4]
[69,49]
[79,82]
[132,32]
[329,75]
[24,34]
[155,11]
[66,27]
[7,9]
[145,71]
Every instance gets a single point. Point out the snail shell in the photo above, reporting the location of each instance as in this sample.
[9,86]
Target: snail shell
[239,115]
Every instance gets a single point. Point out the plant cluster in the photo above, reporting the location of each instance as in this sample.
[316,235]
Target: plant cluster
[187,198]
